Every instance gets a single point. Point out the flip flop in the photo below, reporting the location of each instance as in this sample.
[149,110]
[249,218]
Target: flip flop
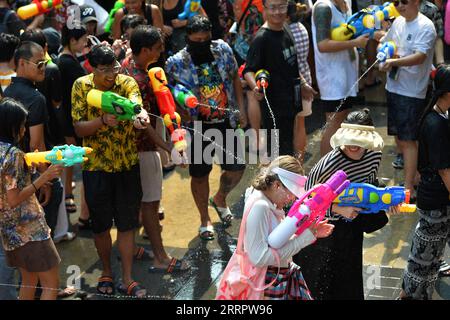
[105,282]
[132,289]
[206,233]
[175,265]
[225,214]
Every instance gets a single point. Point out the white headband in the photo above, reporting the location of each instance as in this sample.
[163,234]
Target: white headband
[294,182]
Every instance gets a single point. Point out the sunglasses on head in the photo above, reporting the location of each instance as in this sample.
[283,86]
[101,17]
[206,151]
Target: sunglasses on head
[403,2]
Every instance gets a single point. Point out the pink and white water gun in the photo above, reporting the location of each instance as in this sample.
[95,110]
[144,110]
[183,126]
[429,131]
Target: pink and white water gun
[307,211]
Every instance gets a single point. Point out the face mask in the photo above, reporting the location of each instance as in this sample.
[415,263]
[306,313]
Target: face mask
[200,51]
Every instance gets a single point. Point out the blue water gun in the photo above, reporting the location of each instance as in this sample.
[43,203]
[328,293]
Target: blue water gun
[386,51]
[65,155]
[373,199]
[191,8]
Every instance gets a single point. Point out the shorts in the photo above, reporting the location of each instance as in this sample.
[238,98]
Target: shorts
[113,197]
[403,116]
[330,106]
[200,158]
[307,108]
[151,176]
[34,256]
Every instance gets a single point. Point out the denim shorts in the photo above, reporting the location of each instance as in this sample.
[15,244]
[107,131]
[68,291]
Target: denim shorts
[403,116]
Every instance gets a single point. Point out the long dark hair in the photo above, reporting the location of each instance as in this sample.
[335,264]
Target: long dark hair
[441,85]
[12,117]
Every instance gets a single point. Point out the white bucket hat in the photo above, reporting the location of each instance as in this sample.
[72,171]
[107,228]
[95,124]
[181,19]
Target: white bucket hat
[294,182]
[357,135]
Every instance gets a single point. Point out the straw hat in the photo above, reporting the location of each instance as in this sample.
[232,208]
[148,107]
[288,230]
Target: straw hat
[357,135]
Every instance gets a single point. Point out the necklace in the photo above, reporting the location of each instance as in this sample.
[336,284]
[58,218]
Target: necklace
[444,114]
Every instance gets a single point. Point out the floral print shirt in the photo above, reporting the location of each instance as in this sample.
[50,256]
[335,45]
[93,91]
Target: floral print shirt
[114,148]
[26,222]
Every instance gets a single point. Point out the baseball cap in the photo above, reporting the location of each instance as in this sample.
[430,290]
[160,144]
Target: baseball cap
[87,14]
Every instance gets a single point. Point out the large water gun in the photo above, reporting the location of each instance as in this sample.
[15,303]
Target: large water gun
[65,155]
[119,4]
[110,102]
[373,199]
[262,78]
[386,51]
[37,7]
[365,21]
[307,211]
[191,8]
[166,105]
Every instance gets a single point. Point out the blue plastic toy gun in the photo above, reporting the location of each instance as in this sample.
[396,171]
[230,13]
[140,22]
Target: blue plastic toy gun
[373,199]
[65,155]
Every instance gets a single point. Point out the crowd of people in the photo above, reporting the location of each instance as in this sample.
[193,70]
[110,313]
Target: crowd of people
[49,64]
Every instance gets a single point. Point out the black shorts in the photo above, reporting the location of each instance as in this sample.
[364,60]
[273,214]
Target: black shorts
[230,153]
[330,106]
[113,197]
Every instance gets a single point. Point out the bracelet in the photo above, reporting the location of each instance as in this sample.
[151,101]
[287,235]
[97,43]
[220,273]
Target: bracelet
[303,82]
[34,186]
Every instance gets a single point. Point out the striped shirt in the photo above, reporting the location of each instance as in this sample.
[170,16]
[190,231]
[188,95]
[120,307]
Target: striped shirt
[361,171]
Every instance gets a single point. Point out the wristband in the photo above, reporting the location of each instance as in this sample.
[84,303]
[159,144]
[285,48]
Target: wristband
[34,186]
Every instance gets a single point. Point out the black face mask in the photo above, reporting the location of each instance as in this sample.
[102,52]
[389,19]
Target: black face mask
[200,51]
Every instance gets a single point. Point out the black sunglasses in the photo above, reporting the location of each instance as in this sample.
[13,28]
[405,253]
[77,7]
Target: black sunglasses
[397,2]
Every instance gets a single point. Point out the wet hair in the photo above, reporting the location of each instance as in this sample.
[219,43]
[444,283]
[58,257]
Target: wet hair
[198,23]
[101,54]
[8,44]
[34,35]
[441,86]
[361,117]
[12,117]
[265,178]
[73,33]
[131,21]
[144,37]
[295,11]
[25,51]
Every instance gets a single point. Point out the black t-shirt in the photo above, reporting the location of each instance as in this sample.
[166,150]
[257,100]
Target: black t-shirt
[13,24]
[51,88]
[434,155]
[275,52]
[24,91]
[70,70]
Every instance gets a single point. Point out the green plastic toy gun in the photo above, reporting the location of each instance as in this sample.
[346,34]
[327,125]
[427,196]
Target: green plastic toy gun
[119,4]
[65,155]
[110,102]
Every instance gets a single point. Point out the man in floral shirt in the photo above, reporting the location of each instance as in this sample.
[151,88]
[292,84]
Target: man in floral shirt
[209,69]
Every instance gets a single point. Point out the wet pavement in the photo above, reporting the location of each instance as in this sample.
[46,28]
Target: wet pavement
[385,251]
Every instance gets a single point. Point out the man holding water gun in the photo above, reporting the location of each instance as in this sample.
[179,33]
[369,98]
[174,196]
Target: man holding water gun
[111,176]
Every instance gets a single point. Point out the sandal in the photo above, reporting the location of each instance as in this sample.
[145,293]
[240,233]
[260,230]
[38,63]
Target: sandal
[71,207]
[105,282]
[225,214]
[142,254]
[132,290]
[175,265]
[206,233]
[444,269]
[66,292]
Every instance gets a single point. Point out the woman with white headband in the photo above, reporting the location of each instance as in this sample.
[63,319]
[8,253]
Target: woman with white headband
[276,186]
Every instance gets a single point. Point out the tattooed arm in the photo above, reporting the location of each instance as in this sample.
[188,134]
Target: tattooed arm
[322,20]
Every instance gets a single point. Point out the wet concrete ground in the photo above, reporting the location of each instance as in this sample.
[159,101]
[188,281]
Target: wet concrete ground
[385,251]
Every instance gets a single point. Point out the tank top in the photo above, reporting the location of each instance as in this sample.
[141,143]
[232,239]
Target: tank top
[336,72]
[171,14]
[147,13]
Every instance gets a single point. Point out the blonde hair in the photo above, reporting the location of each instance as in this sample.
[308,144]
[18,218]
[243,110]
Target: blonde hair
[265,178]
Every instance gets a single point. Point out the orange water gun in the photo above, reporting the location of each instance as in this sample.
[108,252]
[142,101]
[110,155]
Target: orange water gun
[166,106]
[37,7]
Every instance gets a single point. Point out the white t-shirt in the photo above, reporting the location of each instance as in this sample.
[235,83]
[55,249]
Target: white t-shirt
[418,35]
[336,72]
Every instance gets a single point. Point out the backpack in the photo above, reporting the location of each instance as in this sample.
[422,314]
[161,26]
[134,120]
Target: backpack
[4,24]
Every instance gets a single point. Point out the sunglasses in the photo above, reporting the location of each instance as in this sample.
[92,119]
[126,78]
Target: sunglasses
[403,2]
[40,65]
[111,70]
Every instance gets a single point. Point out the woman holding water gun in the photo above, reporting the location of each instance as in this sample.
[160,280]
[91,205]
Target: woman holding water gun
[433,202]
[25,234]
[333,266]
[277,185]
